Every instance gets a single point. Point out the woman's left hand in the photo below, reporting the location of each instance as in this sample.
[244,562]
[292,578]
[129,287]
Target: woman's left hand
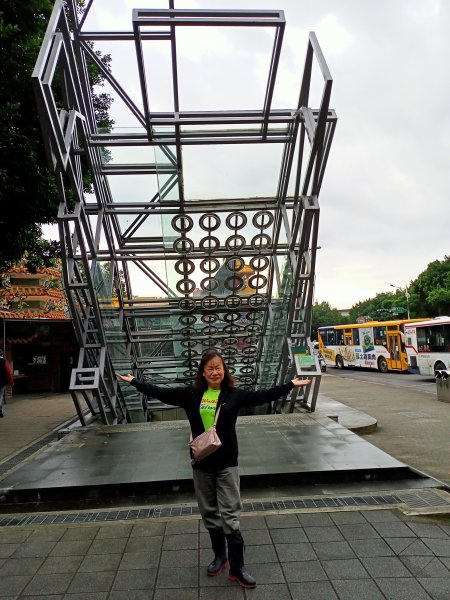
[128,378]
[300,382]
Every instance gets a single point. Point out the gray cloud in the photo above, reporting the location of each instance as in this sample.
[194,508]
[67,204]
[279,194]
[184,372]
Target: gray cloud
[384,201]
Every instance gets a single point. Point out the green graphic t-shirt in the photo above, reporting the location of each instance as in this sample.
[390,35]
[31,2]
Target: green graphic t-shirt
[208,407]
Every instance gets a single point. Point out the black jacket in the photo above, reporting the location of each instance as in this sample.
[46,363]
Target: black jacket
[230,400]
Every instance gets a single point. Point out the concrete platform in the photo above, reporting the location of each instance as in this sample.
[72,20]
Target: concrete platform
[151,459]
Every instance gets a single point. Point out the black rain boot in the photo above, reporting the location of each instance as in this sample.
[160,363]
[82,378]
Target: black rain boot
[238,572]
[220,561]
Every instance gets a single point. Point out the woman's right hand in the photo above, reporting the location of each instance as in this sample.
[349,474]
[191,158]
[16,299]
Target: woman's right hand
[128,378]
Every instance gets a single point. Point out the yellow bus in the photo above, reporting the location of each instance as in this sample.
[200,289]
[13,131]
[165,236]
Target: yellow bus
[372,345]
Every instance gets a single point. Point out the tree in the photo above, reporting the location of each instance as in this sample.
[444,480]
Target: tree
[323,314]
[379,308]
[27,186]
[430,292]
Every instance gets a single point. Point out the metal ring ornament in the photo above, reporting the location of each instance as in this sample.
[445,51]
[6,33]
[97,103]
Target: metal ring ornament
[209,284]
[230,341]
[209,265]
[185,286]
[231,317]
[188,353]
[235,243]
[262,219]
[210,302]
[261,241]
[184,265]
[190,373]
[182,223]
[190,363]
[187,319]
[257,281]
[234,263]
[209,243]
[256,300]
[186,304]
[188,332]
[239,218]
[209,222]
[209,330]
[212,318]
[188,343]
[230,359]
[232,301]
[248,360]
[183,245]
[231,329]
[259,262]
[234,283]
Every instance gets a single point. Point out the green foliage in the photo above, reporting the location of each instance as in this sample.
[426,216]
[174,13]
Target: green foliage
[430,292]
[380,308]
[323,314]
[27,187]
[42,253]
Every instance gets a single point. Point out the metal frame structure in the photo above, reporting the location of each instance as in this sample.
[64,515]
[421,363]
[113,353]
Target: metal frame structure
[238,272]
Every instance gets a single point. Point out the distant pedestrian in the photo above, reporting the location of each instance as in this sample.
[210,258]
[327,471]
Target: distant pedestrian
[6,377]
[216,478]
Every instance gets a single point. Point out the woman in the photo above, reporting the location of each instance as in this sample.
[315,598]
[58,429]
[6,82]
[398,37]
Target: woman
[216,477]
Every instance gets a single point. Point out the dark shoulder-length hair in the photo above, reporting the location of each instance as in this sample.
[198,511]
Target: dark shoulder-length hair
[200,382]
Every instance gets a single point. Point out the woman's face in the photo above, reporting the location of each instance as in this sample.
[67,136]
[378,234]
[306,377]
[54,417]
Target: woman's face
[214,372]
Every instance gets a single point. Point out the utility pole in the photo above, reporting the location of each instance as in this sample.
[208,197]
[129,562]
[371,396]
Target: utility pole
[407,296]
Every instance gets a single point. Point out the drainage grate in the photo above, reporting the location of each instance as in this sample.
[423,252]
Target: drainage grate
[179,511]
[424,499]
[12,462]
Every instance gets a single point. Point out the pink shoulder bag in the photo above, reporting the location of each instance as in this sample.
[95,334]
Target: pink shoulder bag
[206,443]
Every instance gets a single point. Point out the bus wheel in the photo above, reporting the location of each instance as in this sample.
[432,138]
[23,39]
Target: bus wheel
[439,366]
[382,365]
[339,362]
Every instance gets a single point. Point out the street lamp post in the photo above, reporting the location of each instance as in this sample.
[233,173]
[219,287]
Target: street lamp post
[407,296]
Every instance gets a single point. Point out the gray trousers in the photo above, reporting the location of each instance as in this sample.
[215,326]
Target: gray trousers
[219,499]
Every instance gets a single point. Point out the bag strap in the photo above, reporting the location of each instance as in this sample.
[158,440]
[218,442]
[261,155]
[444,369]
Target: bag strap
[217,415]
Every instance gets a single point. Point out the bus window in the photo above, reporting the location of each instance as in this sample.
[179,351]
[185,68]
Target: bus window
[348,339]
[340,338]
[327,336]
[379,335]
[436,339]
[356,337]
[422,341]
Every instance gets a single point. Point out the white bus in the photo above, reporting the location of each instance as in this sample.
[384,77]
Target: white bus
[428,346]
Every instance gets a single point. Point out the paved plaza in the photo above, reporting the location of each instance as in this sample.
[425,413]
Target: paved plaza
[374,541]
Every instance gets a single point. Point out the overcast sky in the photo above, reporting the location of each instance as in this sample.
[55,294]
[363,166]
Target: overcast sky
[385,197]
